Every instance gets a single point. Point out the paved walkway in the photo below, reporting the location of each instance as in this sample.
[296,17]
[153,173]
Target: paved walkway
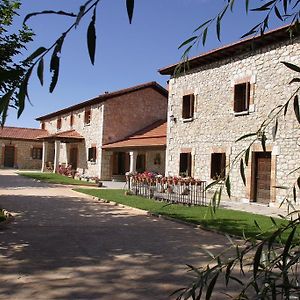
[63,245]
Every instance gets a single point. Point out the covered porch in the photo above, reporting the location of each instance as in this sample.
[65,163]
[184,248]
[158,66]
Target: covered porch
[142,151]
[63,148]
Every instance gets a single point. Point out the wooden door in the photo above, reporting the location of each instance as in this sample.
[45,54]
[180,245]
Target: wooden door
[9,156]
[73,158]
[262,183]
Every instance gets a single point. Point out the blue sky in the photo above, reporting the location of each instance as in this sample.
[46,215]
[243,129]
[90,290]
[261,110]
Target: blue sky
[127,54]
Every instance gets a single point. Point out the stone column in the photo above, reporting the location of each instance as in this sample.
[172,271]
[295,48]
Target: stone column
[133,156]
[44,155]
[56,155]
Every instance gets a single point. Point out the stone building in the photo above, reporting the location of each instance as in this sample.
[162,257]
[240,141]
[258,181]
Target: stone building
[21,148]
[225,94]
[77,135]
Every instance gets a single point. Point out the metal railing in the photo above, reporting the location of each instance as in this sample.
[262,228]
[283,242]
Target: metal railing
[185,191]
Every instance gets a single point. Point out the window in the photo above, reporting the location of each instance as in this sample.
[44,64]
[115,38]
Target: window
[71,120]
[58,123]
[188,106]
[87,116]
[185,164]
[218,165]
[43,125]
[36,153]
[92,154]
[241,97]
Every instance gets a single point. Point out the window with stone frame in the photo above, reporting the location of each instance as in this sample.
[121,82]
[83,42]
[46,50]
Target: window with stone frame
[87,116]
[188,106]
[185,164]
[43,126]
[241,97]
[92,154]
[36,153]
[58,123]
[218,166]
[71,120]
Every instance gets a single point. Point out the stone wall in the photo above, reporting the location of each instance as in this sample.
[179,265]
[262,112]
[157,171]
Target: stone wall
[23,155]
[92,134]
[131,112]
[111,120]
[215,127]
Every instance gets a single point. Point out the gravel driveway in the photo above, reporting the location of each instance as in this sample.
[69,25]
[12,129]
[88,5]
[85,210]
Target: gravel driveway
[64,245]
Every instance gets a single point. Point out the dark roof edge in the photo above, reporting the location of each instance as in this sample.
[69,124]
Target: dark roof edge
[104,97]
[265,39]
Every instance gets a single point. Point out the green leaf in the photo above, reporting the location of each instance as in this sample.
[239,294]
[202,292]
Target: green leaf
[247,152]
[211,184]
[228,186]
[294,194]
[284,2]
[291,66]
[4,104]
[231,4]
[277,13]
[188,41]
[228,271]
[211,286]
[296,108]
[242,171]
[218,28]
[263,141]
[55,61]
[202,25]
[286,108]
[80,14]
[246,136]
[264,7]
[274,129]
[294,80]
[251,31]
[91,38]
[247,6]
[63,13]
[40,71]
[288,244]
[256,224]
[130,9]
[23,92]
[204,36]
[256,260]
[36,53]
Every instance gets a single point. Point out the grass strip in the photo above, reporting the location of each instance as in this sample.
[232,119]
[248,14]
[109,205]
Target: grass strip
[54,178]
[228,221]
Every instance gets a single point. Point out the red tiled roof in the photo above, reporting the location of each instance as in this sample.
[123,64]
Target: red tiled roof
[18,133]
[69,134]
[243,46]
[151,136]
[106,96]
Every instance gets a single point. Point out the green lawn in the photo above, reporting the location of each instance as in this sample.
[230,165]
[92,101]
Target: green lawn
[54,178]
[229,221]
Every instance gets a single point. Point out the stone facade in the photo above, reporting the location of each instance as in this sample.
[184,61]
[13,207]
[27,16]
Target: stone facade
[215,127]
[113,117]
[23,158]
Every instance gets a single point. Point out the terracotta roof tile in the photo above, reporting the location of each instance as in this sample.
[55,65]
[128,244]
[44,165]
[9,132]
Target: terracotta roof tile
[150,136]
[69,134]
[19,133]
